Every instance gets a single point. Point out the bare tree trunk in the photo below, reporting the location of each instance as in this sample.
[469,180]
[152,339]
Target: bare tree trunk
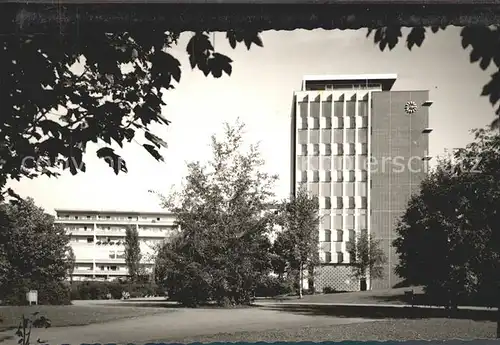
[301,278]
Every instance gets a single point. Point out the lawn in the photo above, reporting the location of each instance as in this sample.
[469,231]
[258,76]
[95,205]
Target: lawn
[392,296]
[72,315]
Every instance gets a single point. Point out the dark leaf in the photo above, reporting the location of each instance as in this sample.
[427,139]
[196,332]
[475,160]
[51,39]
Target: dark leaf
[153,152]
[157,141]
[112,159]
[415,37]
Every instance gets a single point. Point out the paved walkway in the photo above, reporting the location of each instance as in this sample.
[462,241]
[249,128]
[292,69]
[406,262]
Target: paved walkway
[183,323]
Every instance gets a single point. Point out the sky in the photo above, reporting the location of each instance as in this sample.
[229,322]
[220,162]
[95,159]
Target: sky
[259,92]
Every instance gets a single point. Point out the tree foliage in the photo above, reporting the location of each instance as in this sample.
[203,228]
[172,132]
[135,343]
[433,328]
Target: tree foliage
[222,250]
[51,110]
[296,247]
[448,237]
[483,43]
[367,257]
[133,253]
[71,263]
[32,254]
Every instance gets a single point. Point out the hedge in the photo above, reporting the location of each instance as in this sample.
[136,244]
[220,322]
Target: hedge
[96,290]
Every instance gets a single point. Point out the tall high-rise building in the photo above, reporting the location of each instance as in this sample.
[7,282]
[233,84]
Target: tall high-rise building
[362,148]
[98,239]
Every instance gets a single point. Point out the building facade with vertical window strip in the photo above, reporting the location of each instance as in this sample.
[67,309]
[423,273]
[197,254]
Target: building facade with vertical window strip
[362,148]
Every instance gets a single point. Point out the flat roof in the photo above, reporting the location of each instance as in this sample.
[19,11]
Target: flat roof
[386,80]
[72,210]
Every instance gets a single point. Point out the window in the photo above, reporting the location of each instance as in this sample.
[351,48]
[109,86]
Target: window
[76,217]
[90,240]
[303,176]
[158,219]
[314,123]
[327,176]
[315,176]
[88,217]
[349,176]
[327,203]
[362,108]
[84,228]
[328,257]
[350,202]
[327,149]
[340,257]
[328,235]
[339,204]
[303,150]
[327,122]
[338,122]
[315,149]
[340,236]
[352,235]
[350,149]
[303,122]
[362,162]
[350,122]
[362,202]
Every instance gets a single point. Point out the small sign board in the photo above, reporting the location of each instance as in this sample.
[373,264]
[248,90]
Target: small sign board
[32,297]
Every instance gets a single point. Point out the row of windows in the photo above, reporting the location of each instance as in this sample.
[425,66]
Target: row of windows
[327,176]
[344,108]
[328,136]
[339,235]
[305,122]
[121,218]
[332,149]
[339,202]
[110,228]
[340,257]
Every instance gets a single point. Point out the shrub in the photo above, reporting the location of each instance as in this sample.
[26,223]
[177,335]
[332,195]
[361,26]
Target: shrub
[95,290]
[49,293]
[272,286]
[328,289]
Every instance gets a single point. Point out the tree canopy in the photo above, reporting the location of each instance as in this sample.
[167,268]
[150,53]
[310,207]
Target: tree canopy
[296,247]
[32,254]
[448,237]
[222,250]
[52,110]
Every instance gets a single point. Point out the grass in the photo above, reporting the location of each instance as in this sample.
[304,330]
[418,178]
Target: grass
[72,315]
[426,329]
[392,296]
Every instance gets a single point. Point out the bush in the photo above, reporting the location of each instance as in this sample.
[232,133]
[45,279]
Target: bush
[272,286]
[96,290]
[329,289]
[49,293]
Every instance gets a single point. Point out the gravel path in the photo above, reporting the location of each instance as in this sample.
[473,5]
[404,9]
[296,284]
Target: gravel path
[428,329]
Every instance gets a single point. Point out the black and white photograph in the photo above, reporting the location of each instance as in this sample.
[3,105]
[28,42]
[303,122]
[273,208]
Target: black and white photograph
[161,184]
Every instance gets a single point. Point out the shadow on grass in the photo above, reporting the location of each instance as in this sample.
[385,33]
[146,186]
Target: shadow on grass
[386,312]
